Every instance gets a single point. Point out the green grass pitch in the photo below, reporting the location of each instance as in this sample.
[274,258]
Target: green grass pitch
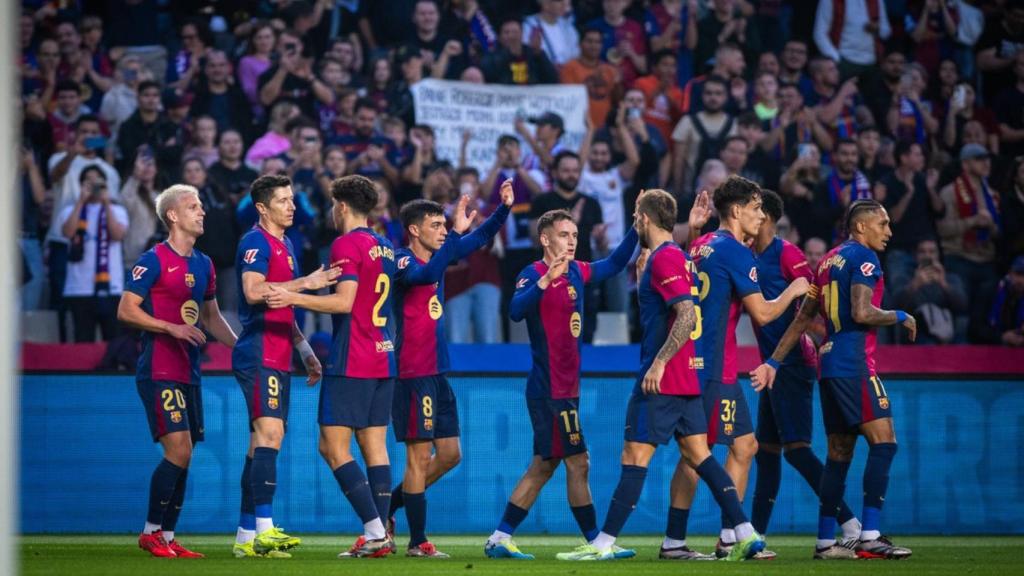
[116,555]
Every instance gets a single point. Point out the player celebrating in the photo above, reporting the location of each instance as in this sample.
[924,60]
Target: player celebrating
[728,279]
[848,291]
[785,413]
[262,359]
[666,401]
[355,397]
[424,410]
[162,299]
[549,296]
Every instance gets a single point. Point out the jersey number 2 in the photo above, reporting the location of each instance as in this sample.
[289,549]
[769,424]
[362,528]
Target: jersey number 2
[383,287]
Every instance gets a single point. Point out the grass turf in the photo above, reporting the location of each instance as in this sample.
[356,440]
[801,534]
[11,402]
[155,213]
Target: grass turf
[113,555]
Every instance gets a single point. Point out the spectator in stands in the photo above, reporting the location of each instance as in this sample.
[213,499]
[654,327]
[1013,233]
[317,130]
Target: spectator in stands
[196,39]
[797,187]
[879,95]
[815,250]
[203,145]
[759,162]
[229,173]
[469,23]
[1009,106]
[94,227]
[400,102]
[662,95]
[963,108]
[421,162]
[1007,316]
[149,126]
[933,32]
[544,143]
[1012,208]
[600,78]
[623,39]
[794,128]
[121,101]
[869,142]
[384,216]
[257,60]
[552,31]
[276,139]
[428,39]
[839,107]
[851,34]
[724,22]
[515,62]
[766,96]
[69,109]
[910,117]
[90,29]
[292,78]
[700,136]
[76,65]
[220,239]
[999,49]
[820,216]
[382,81]
[793,65]
[219,97]
[935,297]
[47,60]
[672,25]
[33,194]
[969,229]
[729,65]
[368,152]
[139,199]
[348,54]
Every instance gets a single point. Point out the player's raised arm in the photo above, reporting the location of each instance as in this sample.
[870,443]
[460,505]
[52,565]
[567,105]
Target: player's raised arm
[616,261]
[489,229]
[678,334]
[764,375]
[864,312]
[700,213]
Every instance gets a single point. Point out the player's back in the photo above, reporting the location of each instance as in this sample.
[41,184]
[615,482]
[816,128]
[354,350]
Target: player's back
[850,348]
[266,338]
[363,343]
[780,264]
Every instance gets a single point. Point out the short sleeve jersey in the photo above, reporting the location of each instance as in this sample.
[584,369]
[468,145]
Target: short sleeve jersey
[780,264]
[172,288]
[728,273]
[667,280]
[363,344]
[850,349]
[266,339]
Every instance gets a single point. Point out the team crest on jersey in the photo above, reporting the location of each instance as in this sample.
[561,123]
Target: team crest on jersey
[572,292]
[190,312]
[883,403]
[138,272]
[753,274]
[728,429]
[272,403]
[522,282]
[574,439]
[250,255]
[575,324]
[403,262]
[291,263]
[867,268]
[176,417]
[428,424]
[434,308]
[190,279]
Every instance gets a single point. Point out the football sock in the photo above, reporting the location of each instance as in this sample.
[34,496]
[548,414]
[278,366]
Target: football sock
[669,543]
[743,531]
[604,541]
[851,528]
[513,516]
[727,535]
[624,500]
[149,528]
[379,478]
[174,509]
[397,500]
[833,484]
[876,481]
[811,469]
[769,477]
[586,519]
[722,489]
[416,514]
[678,518]
[161,491]
[356,489]
[247,516]
[264,481]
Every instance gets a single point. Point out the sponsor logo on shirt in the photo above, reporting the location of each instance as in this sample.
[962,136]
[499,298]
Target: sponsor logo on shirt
[753,274]
[190,312]
[522,282]
[250,256]
[138,272]
[672,279]
[575,324]
[403,262]
[434,308]
[867,268]
[384,346]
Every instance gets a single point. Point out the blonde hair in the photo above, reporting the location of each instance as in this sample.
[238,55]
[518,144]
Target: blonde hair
[168,200]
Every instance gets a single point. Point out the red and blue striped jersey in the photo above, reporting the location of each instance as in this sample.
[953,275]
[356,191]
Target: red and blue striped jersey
[850,348]
[419,298]
[780,264]
[668,279]
[727,273]
[554,319]
[266,338]
[363,344]
[172,288]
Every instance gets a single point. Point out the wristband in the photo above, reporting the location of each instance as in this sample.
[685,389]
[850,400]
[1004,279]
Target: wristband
[901,316]
[305,350]
[771,362]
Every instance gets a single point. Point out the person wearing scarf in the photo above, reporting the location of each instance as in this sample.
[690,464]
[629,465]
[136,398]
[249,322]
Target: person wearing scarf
[968,231]
[95,275]
[1006,318]
[844,185]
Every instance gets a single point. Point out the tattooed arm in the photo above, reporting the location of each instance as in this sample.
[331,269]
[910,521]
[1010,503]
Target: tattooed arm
[686,319]
[864,312]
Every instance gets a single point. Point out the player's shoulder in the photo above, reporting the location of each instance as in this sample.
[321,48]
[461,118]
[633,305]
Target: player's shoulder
[859,253]
[403,258]
[253,237]
[533,270]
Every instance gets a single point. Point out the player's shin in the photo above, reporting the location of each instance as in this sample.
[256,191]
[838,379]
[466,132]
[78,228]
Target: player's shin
[627,494]
[724,492]
[766,488]
[161,492]
[833,484]
[264,483]
[247,515]
[356,489]
[876,482]
[173,511]
[803,460]
[379,478]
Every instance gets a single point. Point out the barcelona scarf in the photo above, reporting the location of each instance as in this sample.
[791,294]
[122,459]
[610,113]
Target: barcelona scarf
[803,136]
[76,253]
[967,206]
[860,188]
[911,125]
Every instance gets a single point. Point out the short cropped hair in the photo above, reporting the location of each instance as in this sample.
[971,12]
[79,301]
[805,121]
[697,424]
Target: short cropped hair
[735,190]
[859,209]
[262,189]
[771,204]
[557,160]
[357,192]
[660,207]
[552,217]
[168,200]
[413,212]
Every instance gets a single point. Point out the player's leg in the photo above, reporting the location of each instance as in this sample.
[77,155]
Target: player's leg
[372,442]
[881,438]
[682,490]
[414,485]
[334,448]
[193,405]
[739,437]
[840,410]
[268,433]
[246,532]
[577,485]
[768,459]
[499,543]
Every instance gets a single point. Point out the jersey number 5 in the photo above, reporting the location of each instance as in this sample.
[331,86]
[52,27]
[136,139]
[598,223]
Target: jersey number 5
[383,287]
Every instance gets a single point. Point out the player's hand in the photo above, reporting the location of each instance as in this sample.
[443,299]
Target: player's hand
[188,333]
[701,211]
[800,286]
[278,297]
[508,193]
[558,268]
[461,220]
[322,278]
[911,325]
[763,376]
[314,370]
[652,379]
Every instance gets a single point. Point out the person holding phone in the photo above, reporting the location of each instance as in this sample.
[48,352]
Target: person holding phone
[936,297]
[291,78]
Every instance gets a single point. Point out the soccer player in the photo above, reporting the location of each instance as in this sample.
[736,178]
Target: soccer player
[355,396]
[424,410]
[728,280]
[847,292]
[549,296]
[785,413]
[262,359]
[162,300]
[666,401]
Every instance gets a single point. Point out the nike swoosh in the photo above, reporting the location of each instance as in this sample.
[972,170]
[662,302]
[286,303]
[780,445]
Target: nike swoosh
[173,268]
[165,503]
[269,483]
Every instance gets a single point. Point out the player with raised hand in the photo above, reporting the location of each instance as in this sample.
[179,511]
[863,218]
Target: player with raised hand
[847,292]
[549,296]
[728,282]
[162,300]
[785,414]
[262,359]
[424,411]
[666,400]
[355,396]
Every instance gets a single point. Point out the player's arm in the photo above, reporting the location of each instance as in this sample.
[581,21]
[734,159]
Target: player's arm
[764,311]
[489,229]
[313,368]
[529,291]
[256,287]
[864,312]
[700,213]
[616,261]
[215,323]
[764,375]
[129,311]
[682,327]
[340,302]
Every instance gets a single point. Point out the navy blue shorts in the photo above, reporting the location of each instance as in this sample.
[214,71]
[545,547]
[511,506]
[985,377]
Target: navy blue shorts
[266,392]
[657,418]
[355,402]
[556,427]
[424,408]
[846,403]
[785,414]
[172,407]
[727,413]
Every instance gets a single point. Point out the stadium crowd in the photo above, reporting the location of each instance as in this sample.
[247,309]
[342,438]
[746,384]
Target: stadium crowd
[918,104]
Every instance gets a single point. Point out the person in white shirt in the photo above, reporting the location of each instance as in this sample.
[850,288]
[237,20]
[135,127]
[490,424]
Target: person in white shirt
[850,32]
[552,31]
